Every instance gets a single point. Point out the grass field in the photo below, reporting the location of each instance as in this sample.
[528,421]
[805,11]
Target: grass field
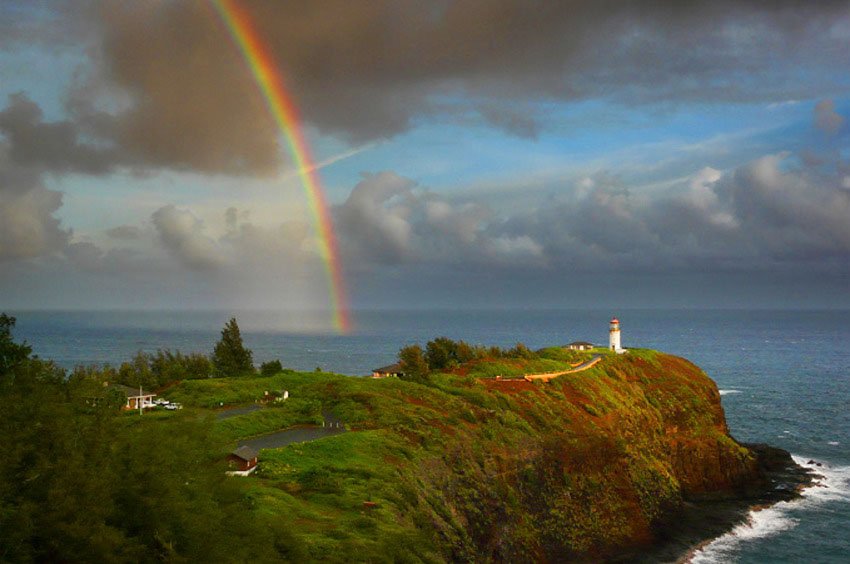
[443,469]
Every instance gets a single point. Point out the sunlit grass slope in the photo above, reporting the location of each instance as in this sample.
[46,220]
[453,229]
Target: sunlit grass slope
[466,466]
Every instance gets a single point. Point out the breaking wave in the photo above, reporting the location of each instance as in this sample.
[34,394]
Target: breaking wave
[832,483]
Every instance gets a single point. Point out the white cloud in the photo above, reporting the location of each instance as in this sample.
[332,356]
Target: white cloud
[28,226]
[183,234]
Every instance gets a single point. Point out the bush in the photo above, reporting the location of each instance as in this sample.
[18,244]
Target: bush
[414,367]
[271,368]
[152,371]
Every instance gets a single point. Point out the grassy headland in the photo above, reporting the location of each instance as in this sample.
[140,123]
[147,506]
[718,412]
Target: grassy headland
[460,460]
[467,466]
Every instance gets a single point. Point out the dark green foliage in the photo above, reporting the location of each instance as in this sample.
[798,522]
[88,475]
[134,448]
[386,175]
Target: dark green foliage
[413,364]
[463,469]
[152,371]
[271,368]
[464,352]
[441,353]
[444,354]
[11,353]
[181,367]
[81,482]
[230,357]
[520,351]
[320,480]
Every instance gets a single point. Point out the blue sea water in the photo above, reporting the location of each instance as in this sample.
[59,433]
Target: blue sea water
[784,378]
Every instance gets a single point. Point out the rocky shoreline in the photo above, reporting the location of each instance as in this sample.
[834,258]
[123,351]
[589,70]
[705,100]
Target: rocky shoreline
[702,520]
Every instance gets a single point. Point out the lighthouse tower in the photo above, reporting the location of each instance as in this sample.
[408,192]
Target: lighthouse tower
[614,336]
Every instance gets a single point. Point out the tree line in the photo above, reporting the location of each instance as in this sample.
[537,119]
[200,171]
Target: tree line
[151,371]
[444,354]
[82,482]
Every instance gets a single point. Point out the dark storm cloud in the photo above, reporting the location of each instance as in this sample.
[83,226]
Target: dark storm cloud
[53,146]
[191,102]
[367,70]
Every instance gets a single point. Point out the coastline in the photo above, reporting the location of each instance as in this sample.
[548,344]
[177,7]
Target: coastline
[703,521]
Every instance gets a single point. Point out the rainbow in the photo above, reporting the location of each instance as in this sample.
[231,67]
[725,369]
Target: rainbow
[285,114]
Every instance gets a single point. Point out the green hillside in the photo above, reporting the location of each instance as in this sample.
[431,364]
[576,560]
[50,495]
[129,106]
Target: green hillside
[467,466]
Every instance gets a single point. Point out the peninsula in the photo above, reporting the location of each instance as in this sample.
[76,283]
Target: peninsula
[476,462]
[458,457]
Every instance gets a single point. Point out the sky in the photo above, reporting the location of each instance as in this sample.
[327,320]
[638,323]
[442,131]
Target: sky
[475,154]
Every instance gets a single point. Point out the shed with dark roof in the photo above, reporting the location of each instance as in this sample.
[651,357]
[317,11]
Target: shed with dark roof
[244,458]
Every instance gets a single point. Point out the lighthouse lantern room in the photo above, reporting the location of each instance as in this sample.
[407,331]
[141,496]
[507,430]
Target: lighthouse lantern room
[614,336]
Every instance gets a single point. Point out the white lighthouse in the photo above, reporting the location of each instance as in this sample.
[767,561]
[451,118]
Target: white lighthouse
[614,336]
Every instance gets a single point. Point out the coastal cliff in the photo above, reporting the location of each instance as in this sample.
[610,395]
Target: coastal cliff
[590,466]
[585,467]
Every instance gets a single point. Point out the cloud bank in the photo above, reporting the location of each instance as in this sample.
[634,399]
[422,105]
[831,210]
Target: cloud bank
[167,88]
[162,88]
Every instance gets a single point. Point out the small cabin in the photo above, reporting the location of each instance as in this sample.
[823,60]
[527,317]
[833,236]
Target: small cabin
[580,346]
[243,460]
[387,371]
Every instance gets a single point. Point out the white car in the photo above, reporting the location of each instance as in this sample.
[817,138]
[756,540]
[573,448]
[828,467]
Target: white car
[173,406]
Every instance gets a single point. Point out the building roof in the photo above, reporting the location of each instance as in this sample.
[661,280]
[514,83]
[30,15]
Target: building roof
[390,369]
[246,453]
[580,343]
[128,391]
[615,320]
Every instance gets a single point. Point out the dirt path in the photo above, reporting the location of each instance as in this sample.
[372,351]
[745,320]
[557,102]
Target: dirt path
[549,375]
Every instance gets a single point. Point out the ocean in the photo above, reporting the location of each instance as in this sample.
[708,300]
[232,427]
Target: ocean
[784,377]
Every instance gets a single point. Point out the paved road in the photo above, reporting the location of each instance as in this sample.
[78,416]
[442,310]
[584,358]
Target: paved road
[234,411]
[549,375]
[332,426]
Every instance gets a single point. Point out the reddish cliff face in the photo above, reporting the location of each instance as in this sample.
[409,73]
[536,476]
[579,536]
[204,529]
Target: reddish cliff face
[591,466]
[585,467]
[705,459]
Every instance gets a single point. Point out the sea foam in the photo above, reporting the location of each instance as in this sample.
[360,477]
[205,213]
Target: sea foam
[727,392]
[832,483]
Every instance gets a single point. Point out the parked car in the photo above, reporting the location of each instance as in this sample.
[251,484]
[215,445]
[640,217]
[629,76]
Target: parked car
[173,406]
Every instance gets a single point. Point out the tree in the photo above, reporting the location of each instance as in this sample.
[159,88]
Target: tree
[230,357]
[197,366]
[521,351]
[413,364]
[137,372]
[80,484]
[465,352]
[271,368]
[441,353]
[11,353]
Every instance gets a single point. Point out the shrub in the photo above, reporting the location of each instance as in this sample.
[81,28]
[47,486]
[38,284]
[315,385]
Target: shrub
[271,368]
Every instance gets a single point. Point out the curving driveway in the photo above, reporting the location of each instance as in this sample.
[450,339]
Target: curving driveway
[549,375]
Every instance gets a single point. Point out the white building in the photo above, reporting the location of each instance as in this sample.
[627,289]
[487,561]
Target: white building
[614,337]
